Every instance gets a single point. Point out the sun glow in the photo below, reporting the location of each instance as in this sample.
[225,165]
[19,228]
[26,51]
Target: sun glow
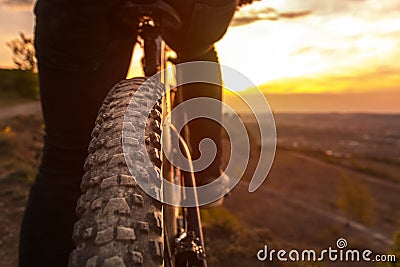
[314,50]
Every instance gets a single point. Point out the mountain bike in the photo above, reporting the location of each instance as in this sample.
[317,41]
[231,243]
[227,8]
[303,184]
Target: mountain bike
[119,224]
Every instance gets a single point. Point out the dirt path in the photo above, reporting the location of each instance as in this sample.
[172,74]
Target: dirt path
[20,109]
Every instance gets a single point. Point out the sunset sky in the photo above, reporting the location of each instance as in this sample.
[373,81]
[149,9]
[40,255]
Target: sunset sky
[331,46]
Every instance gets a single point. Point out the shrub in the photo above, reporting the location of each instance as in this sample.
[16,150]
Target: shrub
[356,200]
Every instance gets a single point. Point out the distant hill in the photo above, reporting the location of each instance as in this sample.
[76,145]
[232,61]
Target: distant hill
[368,102]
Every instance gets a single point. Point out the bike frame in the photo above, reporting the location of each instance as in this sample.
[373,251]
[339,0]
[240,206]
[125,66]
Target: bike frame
[183,236]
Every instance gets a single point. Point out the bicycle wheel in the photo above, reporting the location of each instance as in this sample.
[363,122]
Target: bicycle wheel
[119,224]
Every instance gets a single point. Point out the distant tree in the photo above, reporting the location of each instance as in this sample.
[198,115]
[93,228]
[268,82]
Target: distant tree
[23,52]
[355,200]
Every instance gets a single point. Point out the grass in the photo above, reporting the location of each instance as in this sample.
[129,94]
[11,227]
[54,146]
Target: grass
[353,163]
[394,251]
[394,162]
[368,169]
[17,87]
[20,145]
[22,174]
[16,183]
[19,83]
[230,243]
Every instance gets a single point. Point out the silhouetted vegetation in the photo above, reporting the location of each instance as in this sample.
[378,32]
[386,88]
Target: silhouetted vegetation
[23,52]
[21,82]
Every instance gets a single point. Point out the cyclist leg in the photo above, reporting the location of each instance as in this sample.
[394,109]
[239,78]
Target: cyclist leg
[204,23]
[81,55]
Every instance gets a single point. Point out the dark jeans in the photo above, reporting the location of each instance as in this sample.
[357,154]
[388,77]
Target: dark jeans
[82,52]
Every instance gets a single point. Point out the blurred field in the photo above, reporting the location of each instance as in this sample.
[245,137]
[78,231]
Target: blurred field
[306,202]
[334,176]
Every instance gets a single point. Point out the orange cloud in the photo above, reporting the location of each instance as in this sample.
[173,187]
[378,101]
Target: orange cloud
[380,78]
